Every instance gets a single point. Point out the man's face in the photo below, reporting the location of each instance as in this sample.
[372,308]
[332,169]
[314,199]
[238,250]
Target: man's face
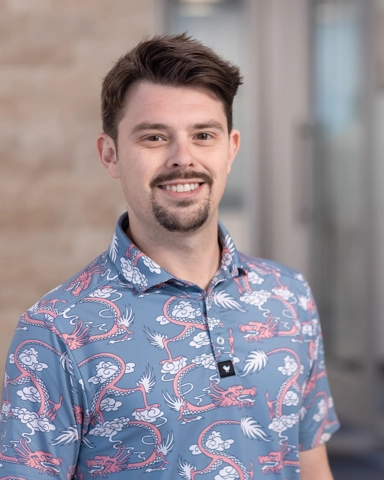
[173,157]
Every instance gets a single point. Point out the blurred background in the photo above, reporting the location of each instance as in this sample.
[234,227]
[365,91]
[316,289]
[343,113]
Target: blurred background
[307,188]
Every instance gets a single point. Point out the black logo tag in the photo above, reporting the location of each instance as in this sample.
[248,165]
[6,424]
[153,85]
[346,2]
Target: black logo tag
[226,369]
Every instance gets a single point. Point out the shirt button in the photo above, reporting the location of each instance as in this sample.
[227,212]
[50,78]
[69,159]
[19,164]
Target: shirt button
[209,302]
[220,340]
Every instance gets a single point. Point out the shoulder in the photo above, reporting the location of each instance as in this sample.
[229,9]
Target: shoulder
[267,267]
[89,278]
[96,279]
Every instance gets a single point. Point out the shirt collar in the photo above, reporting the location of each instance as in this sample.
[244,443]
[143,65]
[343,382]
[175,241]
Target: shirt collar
[143,273]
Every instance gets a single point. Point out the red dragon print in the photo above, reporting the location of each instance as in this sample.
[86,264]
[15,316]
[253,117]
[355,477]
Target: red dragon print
[103,465]
[188,327]
[119,332]
[250,429]
[12,477]
[48,408]
[83,281]
[40,460]
[324,399]
[258,331]
[276,406]
[260,268]
[45,308]
[275,461]
[233,396]
[144,385]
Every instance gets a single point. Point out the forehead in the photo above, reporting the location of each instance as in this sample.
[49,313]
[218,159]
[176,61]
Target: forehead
[145,99]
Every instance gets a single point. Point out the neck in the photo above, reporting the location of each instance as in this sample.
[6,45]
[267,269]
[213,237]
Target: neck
[194,257]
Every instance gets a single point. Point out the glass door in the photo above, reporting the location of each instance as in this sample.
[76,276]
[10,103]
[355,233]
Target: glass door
[345,241]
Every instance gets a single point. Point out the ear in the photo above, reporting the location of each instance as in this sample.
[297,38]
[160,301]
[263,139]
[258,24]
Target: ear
[107,152]
[234,145]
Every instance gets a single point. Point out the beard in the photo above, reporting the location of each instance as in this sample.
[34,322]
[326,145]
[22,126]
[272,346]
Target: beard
[182,217]
[181,221]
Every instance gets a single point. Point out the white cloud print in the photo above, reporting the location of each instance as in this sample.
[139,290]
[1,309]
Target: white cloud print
[200,340]
[213,323]
[322,406]
[149,416]
[109,429]
[110,405]
[254,278]
[291,399]
[35,422]
[184,309]
[307,329]
[325,437]
[227,473]
[5,408]
[129,367]
[206,360]
[290,366]
[215,442]
[195,450]
[29,393]
[256,298]
[280,424]
[303,302]
[29,358]
[132,273]
[282,292]
[162,320]
[153,267]
[104,370]
[175,366]
[104,292]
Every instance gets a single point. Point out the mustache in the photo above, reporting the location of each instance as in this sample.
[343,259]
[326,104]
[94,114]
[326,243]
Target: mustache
[169,177]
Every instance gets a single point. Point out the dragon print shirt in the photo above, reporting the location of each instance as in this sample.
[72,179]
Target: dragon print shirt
[125,370]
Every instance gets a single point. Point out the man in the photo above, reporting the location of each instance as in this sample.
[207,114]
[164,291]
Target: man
[171,354]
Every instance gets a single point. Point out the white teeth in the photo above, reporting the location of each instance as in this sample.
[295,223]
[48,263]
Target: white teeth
[187,187]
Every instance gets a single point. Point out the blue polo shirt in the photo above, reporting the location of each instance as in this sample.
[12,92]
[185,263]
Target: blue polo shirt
[125,370]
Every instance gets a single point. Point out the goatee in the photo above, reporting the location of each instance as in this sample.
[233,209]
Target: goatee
[179,219]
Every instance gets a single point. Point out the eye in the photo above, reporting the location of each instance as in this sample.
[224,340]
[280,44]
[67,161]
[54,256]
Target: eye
[203,136]
[153,138]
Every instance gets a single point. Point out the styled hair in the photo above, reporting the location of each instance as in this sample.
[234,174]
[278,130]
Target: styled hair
[175,60]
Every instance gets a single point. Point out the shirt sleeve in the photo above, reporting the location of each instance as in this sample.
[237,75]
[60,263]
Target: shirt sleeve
[318,419]
[42,405]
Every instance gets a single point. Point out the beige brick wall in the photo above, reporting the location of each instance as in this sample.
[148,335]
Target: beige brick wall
[57,205]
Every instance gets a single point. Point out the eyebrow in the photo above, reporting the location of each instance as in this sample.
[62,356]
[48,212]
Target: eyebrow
[144,126]
[149,126]
[210,124]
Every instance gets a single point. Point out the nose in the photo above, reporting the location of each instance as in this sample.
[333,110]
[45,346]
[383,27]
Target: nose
[180,154]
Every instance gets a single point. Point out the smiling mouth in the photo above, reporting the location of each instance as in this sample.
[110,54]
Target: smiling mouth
[181,187]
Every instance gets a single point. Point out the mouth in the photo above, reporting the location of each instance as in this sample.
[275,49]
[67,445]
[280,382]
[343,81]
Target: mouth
[246,398]
[269,465]
[49,465]
[96,468]
[181,187]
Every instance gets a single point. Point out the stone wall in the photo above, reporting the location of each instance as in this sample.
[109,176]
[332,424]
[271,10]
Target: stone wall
[58,206]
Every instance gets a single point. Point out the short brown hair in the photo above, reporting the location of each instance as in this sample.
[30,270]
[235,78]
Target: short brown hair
[176,60]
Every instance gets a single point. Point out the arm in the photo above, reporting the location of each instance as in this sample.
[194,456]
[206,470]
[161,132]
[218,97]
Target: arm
[314,464]
[39,432]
